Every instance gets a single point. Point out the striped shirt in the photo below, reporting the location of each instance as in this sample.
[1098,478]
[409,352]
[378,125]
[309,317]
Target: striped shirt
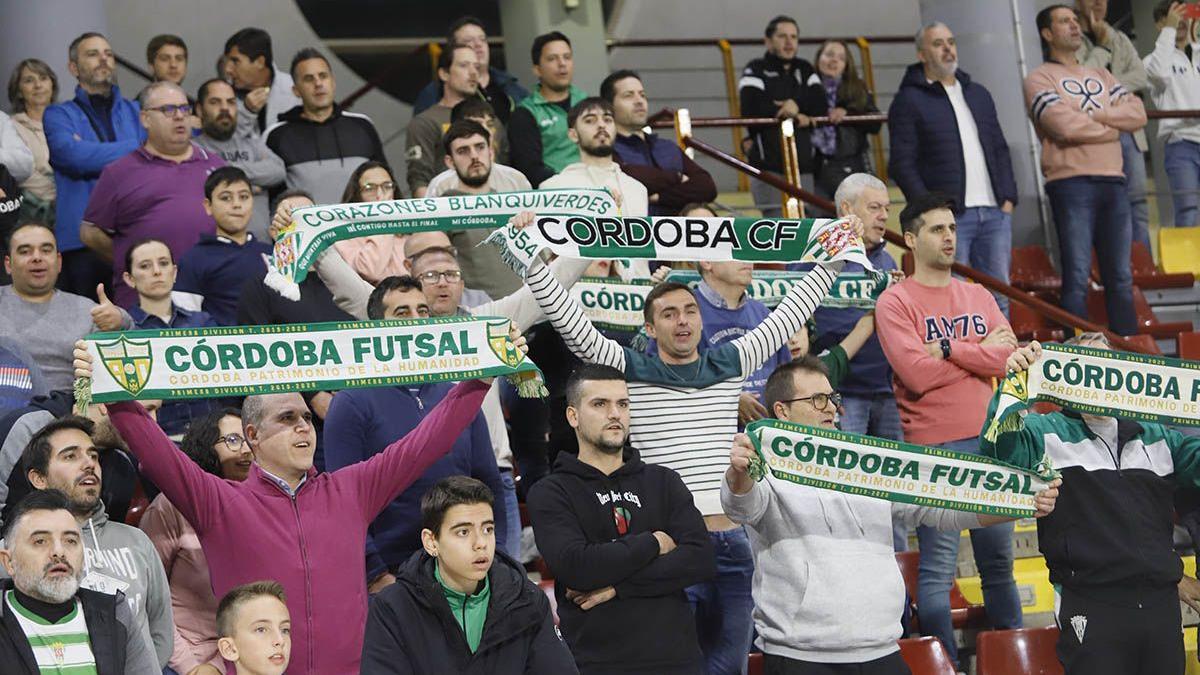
[684,416]
[59,648]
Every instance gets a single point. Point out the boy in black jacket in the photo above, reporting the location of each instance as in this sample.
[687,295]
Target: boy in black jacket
[452,610]
[623,539]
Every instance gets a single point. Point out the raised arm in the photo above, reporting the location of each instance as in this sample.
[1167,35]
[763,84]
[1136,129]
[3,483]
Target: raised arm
[760,344]
[578,563]
[1158,62]
[350,291]
[1023,447]
[522,307]
[569,320]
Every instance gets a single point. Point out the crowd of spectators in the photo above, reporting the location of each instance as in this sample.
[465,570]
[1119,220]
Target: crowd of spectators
[379,530]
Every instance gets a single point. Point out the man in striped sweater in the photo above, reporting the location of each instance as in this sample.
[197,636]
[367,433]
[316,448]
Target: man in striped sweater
[684,415]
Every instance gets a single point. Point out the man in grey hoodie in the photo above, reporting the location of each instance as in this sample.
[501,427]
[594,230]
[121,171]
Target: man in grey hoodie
[117,557]
[831,552]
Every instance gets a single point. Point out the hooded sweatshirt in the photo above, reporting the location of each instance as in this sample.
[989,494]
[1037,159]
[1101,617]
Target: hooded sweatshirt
[416,626]
[118,557]
[596,530]
[826,585]
[320,156]
[311,539]
[1174,85]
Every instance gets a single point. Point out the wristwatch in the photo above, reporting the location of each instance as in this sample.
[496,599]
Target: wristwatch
[945,343]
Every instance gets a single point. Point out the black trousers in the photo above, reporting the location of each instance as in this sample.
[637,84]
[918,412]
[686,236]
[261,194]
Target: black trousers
[892,664]
[1102,638]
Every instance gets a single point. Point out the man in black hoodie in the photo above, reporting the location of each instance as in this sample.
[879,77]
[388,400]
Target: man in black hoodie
[459,605]
[623,539]
[319,143]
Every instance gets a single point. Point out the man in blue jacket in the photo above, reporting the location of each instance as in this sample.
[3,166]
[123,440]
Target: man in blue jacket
[360,420]
[946,138]
[499,88]
[84,135]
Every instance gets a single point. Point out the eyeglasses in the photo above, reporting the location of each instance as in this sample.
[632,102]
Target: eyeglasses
[232,441]
[184,109]
[451,277]
[376,188]
[819,401]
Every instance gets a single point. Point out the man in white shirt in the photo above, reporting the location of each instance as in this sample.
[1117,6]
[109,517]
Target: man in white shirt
[946,137]
[1174,71]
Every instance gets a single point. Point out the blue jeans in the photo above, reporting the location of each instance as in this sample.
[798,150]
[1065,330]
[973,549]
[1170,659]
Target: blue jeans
[985,243]
[512,515]
[1093,211]
[1181,160]
[723,605]
[876,416]
[1133,164]
[939,556]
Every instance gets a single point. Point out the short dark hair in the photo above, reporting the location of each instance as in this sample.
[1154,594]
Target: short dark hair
[203,90]
[540,42]
[20,226]
[773,24]
[1044,20]
[253,43]
[35,500]
[288,194]
[446,58]
[585,106]
[656,293]
[464,128]
[226,174]
[307,54]
[387,285]
[589,372]
[36,455]
[352,192]
[910,217]
[450,492]
[140,243]
[159,41]
[73,48]
[467,20]
[240,595]
[202,435]
[608,88]
[1161,10]
[781,384]
[14,82]
[471,107]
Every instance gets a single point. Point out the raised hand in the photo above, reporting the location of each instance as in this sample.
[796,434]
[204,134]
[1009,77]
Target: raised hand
[1024,357]
[106,315]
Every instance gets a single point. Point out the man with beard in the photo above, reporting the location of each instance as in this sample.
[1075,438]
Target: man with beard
[623,539]
[470,155]
[671,177]
[85,135]
[946,138]
[216,104]
[48,623]
[62,456]
[590,126]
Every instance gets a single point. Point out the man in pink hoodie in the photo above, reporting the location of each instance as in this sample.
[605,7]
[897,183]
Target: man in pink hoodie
[946,339]
[286,522]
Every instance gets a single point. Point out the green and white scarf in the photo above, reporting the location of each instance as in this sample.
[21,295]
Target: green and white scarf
[315,228]
[666,238]
[859,291]
[247,360]
[1101,382]
[612,304]
[890,470]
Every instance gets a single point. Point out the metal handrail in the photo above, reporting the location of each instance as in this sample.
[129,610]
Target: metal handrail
[134,68]
[987,281]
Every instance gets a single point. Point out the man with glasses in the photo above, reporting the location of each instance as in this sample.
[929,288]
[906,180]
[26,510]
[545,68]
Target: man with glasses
[831,551]
[87,133]
[946,340]
[153,192]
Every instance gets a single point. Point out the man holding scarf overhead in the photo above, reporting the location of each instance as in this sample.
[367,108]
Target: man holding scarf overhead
[1109,548]
[828,594]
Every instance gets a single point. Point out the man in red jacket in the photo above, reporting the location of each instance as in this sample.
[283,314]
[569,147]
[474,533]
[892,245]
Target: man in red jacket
[307,530]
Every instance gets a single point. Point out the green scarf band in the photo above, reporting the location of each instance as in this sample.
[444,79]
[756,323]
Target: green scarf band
[889,470]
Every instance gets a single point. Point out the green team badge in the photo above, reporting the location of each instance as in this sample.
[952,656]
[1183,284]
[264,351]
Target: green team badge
[1014,385]
[128,361]
[501,346]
